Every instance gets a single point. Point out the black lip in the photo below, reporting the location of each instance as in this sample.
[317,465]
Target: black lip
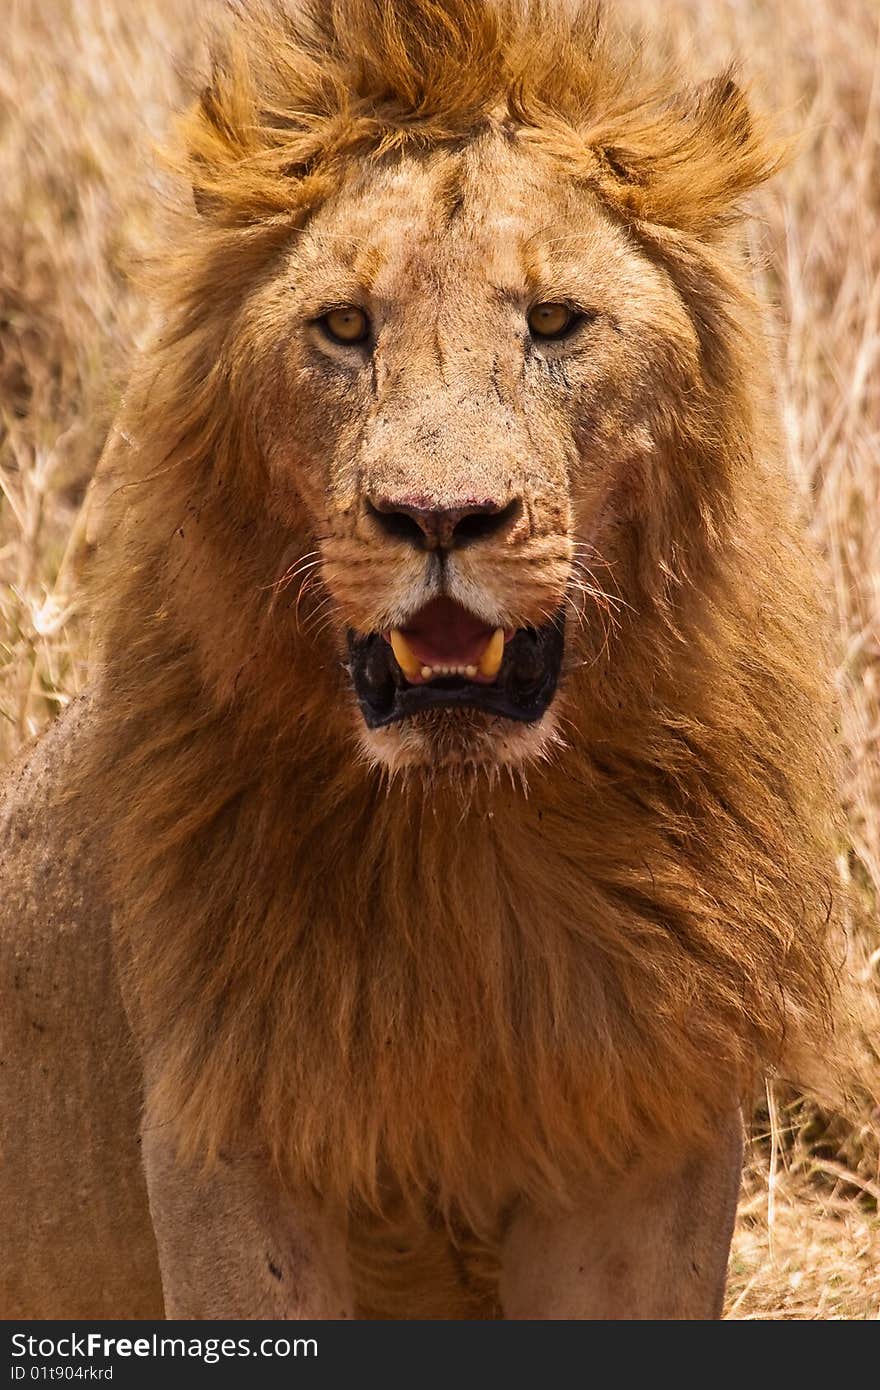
[522,691]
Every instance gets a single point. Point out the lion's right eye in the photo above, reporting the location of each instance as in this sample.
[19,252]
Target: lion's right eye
[551,320]
[346,325]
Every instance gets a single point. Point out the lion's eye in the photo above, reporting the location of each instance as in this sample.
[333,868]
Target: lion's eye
[550,320]
[347,325]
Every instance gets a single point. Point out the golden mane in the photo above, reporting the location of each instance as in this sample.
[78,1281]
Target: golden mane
[461,987]
[296,94]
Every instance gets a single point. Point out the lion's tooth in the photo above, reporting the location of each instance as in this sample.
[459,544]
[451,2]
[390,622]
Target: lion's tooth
[470,672]
[426,673]
[490,661]
[405,656]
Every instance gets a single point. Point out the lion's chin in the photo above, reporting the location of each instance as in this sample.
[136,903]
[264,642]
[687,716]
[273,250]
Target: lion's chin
[458,744]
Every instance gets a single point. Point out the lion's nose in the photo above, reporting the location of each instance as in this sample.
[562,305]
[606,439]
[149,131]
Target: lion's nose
[447,528]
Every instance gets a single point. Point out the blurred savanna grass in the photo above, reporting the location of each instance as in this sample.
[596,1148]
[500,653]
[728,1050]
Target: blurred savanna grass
[86,87]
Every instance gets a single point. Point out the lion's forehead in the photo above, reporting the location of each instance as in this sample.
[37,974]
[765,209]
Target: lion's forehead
[483,218]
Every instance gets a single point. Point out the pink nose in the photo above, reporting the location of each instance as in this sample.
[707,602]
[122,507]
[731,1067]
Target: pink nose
[449,528]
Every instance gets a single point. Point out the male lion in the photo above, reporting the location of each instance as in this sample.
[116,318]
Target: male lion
[444,847]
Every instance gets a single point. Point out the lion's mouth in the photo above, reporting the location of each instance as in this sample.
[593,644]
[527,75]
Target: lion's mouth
[446,656]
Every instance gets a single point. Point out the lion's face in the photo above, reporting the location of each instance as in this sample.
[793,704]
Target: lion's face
[466,370]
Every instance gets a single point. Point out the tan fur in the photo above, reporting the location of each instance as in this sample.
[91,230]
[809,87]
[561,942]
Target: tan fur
[421,984]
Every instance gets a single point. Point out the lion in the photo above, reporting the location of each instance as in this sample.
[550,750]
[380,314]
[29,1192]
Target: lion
[445,845]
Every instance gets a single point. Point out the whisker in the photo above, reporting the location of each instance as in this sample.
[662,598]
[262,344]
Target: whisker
[309,625]
[325,626]
[291,570]
[310,573]
[304,587]
[291,574]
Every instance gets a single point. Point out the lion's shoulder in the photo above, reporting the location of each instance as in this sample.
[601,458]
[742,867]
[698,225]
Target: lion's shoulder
[51,877]
[70,1090]
[37,823]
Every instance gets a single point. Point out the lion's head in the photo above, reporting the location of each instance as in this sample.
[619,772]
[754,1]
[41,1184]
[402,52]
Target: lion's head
[462,296]
[465,355]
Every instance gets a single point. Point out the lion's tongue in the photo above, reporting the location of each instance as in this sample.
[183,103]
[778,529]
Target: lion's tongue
[444,634]
[444,639]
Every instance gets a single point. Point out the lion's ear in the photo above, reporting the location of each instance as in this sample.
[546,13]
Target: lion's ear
[733,149]
[245,158]
[723,110]
[208,112]
[691,163]
[228,156]
[214,138]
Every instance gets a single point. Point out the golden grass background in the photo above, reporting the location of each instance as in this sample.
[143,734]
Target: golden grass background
[86,87]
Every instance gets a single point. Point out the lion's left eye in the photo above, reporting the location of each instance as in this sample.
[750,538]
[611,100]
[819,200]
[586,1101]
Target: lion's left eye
[551,320]
[346,325]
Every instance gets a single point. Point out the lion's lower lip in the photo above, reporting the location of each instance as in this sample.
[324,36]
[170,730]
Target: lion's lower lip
[525,685]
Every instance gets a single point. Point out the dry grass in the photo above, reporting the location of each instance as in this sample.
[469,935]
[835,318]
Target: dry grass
[85,87]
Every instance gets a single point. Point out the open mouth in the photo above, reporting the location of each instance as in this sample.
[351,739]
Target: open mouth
[446,656]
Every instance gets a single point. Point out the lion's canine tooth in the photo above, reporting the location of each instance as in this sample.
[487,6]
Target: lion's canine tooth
[490,661]
[405,656]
